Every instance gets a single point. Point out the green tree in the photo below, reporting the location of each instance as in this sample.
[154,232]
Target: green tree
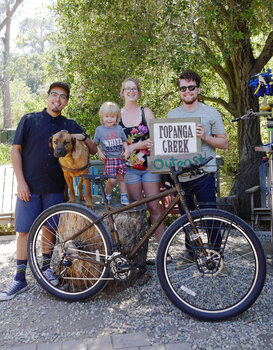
[35,35]
[23,100]
[221,37]
[7,10]
[31,68]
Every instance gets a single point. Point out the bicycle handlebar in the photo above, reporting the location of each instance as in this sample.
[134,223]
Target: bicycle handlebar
[250,114]
[193,168]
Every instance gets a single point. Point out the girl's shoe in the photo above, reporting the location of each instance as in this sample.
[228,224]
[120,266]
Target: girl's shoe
[108,197]
[124,199]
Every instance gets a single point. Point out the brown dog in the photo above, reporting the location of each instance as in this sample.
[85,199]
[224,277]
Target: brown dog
[74,160]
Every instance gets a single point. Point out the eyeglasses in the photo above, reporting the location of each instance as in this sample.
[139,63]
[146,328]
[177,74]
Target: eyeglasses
[133,89]
[190,88]
[56,95]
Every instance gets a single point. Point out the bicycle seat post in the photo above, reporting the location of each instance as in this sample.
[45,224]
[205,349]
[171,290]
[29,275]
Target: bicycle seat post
[106,205]
[102,191]
[112,227]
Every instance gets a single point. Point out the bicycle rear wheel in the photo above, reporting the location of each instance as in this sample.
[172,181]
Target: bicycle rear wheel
[217,291]
[76,249]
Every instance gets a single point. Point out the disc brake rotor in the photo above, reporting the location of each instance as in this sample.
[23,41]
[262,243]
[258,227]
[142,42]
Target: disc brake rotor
[212,264]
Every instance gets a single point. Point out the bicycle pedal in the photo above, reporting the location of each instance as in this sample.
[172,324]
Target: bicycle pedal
[139,267]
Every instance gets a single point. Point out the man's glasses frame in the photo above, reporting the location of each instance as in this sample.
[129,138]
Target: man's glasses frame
[56,95]
[190,88]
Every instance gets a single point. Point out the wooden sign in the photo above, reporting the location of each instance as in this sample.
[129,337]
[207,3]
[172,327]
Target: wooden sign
[175,144]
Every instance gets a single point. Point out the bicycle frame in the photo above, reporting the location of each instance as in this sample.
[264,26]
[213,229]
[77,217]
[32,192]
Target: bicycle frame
[180,196]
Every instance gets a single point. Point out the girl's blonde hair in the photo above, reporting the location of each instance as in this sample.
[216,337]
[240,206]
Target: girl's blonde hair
[109,108]
[135,82]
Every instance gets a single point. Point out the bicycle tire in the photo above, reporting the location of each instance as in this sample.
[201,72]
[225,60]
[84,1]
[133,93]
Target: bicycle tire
[79,263]
[228,290]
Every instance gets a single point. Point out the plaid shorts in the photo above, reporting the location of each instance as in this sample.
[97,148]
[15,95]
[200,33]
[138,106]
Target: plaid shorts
[113,166]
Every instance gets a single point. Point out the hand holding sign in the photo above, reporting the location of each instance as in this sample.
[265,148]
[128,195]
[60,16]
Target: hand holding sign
[200,131]
[150,145]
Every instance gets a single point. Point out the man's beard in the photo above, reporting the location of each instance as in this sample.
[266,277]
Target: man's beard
[56,109]
[190,101]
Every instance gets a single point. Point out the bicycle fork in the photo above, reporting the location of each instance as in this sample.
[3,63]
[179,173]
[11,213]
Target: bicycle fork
[194,235]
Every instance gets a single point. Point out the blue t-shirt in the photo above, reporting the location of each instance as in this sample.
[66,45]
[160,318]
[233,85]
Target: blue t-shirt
[41,169]
[111,140]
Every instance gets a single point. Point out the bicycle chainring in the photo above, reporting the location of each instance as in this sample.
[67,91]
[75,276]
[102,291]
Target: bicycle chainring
[120,267]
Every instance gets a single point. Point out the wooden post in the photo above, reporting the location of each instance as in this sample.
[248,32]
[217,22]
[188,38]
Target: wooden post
[131,224]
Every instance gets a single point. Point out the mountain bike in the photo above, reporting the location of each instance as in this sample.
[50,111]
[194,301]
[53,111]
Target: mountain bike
[217,267]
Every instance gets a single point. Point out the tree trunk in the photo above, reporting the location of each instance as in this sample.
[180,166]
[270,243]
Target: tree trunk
[248,135]
[6,55]
[248,169]
[5,74]
[131,225]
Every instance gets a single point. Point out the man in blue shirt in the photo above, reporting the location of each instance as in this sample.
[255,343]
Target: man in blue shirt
[40,181]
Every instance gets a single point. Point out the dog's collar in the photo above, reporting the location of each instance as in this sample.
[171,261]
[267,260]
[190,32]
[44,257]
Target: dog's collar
[74,170]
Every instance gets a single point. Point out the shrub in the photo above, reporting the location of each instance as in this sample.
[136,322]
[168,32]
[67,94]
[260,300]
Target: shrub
[7,230]
[5,154]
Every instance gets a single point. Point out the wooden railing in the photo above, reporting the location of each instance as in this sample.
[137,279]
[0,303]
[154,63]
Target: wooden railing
[8,192]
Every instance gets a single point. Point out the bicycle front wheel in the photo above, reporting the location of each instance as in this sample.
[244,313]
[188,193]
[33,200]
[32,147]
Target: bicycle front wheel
[65,239]
[223,282]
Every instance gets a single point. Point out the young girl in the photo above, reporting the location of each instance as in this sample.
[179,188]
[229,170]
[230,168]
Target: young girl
[113,150]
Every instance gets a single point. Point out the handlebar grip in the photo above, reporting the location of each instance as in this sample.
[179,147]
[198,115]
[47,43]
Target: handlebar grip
[205,161]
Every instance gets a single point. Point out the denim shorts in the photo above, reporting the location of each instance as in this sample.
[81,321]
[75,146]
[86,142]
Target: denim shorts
[27,212]
[134,176]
